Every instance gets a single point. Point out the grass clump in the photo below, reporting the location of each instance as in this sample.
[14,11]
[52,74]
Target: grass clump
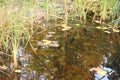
[16,26]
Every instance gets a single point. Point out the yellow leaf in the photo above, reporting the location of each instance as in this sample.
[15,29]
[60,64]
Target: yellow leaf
[77,24]
[96,21]
[18,71]
[107,32]
[101,27]
[102,73]
[64,25]
[46,42]
[66,28]
[115,30]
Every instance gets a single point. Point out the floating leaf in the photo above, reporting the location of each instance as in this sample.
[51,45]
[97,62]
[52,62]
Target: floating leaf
[46,42]
[107,32]
[48,36]
[3,67]
[115,30]
[77,24]
[18,71]
[66,28]
[96,21]
[51,33]
[101,72]
[64,25]
[54,45]
[101,27]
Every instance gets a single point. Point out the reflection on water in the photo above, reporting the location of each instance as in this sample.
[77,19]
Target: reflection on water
[79,50]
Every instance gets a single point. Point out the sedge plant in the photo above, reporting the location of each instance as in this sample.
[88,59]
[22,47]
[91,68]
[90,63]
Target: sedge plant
[14,28]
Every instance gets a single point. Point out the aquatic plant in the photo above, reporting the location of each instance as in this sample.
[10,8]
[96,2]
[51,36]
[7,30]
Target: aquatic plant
[14,27]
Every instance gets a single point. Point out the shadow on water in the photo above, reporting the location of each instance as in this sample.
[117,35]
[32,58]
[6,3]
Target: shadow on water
[81,48]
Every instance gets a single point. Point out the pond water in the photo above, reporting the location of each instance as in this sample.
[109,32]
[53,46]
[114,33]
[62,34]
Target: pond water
[80,49]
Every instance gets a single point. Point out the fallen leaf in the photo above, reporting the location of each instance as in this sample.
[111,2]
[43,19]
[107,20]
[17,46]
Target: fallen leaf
[77,24]
[48,36]
[3,67]
[51,33]
[18,71]
[54,45]
[101,27]
[96,21]
[46,42]
[66,28]
[63,25]
[115,30]
[102,72]
[99,71]
[107,32]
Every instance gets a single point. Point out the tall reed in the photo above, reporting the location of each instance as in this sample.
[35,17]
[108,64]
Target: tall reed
[115,13]
[80,6]
[13,28]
